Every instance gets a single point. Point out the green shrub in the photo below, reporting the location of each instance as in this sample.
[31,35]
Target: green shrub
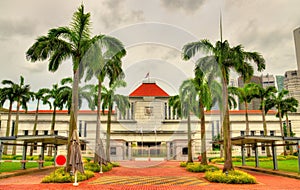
[217,160]
[233,177]
[115,164]
[60,176]
[290,157]
[196,167]
[95,167]
[183,164]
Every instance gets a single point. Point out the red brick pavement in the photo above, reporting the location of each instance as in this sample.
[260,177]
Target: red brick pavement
[32,181]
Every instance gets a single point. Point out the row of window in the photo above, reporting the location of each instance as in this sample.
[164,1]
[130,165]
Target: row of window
[45,132]
[261,133]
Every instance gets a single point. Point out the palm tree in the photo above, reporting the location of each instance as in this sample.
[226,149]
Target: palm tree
[188,94]
[109,97]
[289,105]
[62,43]
[226,58]
[7,93]
[205,101]
[263,94]
[21,94]
[104,59]
[245,95]
[39,96]
[60,96]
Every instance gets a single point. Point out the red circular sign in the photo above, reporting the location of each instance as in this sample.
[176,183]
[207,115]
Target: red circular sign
[60,160]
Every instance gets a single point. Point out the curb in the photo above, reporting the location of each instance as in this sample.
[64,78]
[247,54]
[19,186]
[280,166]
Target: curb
[23,172]
[273,172]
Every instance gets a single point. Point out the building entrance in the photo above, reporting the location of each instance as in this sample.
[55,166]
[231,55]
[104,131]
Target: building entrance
[150,150]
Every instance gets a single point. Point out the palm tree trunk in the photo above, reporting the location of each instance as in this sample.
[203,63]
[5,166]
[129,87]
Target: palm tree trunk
[288,130]
[52,129]
[35,125]
[281,128]
[74,109]
[265,127]
[190,156]
[226,128]
[14,151]
[203,138]
[221,136]
[98,126]
[108,132]
[8,125]
[247,127]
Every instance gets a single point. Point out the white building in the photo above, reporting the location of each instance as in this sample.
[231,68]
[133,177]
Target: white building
[149,130]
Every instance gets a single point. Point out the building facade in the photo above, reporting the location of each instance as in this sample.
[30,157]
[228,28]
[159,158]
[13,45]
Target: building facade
[292,84]
[150,129]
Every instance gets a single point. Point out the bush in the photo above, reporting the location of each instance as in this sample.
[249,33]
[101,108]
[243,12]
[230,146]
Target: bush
[217,160]
[183,164]
[196,167]
[60,176]
[290,157]
[115,164]
[233,177]
[95,167]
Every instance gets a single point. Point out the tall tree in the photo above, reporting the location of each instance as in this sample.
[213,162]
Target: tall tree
[263,94]
[122,102]
[245,95]
[7,93]
[290,104]
[189,104]
[104,60]
[205,101]
[60,96]
[21,95]
[62,43]
[227,58]
[39,96]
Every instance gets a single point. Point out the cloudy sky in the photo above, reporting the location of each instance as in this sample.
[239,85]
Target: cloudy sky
[153,33]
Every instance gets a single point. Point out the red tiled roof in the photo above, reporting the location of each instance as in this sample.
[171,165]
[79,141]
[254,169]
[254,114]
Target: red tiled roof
[149,89]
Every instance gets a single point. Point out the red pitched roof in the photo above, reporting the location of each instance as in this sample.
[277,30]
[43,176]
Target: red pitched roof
[149,89]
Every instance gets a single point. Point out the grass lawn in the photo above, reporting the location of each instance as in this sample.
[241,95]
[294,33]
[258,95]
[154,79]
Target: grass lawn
[12,166]
[283,165]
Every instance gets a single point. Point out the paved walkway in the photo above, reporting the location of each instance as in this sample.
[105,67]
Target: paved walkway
[148,175]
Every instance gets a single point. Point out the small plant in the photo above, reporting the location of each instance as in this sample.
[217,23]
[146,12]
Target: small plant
[183,164]
[115,164]
[95,167]
[232,177]
[60,176]
[196,167]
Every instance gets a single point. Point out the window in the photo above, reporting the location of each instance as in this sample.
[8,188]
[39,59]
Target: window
[272,133]
[35,146]
[212,129]
[80,128]
[242,133]
[262,133]
[263,148]
[185,151]
[56,132]
[45,132]
[113,151]
[85,128]
[252,133]
[218,127]
[13,128]
[36,132]
[25,132]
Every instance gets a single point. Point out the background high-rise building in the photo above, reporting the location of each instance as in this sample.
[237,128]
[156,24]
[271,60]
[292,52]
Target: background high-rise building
[267,80]
[280,82]
[255,103]
[292,78]
[297,45]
